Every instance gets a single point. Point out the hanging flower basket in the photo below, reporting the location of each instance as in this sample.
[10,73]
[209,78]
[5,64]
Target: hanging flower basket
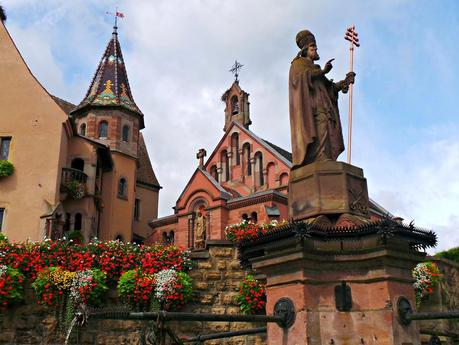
[76,190]
[427,276]
[6,168]
[252,296]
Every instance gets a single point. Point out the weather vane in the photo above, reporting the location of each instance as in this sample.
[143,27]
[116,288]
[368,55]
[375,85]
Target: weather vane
[351,36]
[116,15]
[235,69]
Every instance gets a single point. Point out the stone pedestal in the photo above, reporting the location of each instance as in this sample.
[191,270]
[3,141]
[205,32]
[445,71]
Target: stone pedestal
[328,187]
[310,271]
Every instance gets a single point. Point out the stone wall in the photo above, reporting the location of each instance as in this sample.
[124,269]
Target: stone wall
[445,297]
[216,279]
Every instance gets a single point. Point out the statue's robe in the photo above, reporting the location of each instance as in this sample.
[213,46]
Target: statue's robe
[314,117]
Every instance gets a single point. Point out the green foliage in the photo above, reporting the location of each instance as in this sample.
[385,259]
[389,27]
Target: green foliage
[126,285]
[187,286]
[450,254]
[98,292]
[3,238]
[11,285]
[76,236]
[6,168]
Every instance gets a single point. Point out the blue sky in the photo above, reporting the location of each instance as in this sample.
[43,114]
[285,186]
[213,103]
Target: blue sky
[178,54]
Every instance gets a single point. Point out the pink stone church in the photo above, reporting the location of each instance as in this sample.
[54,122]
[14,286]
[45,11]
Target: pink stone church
[245,177]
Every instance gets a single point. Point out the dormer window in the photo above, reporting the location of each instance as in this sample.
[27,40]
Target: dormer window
[103,130]
[234,105]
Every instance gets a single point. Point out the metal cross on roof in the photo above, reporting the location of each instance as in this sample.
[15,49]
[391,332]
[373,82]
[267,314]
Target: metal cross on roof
[235,69]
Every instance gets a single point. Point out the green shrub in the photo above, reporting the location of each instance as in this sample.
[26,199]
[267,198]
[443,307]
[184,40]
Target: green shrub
[3,238]
[451,254]
[76,236]
[6,168]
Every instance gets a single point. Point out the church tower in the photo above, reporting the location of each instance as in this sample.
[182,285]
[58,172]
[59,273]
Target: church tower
[237,102]
[109,116]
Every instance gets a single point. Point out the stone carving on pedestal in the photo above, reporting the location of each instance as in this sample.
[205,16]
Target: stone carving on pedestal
[318,185]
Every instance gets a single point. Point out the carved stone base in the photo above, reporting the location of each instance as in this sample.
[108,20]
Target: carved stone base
[327,187]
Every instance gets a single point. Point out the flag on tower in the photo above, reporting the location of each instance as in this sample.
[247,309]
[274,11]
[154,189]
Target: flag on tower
[119,14]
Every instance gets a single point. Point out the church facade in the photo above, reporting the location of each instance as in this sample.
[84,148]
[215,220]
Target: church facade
[80,171]
[244,178]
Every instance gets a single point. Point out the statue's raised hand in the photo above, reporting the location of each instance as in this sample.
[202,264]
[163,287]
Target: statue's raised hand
[350,78]
[328,66]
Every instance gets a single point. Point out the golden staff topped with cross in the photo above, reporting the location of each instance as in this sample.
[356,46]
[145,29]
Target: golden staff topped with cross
[351,36]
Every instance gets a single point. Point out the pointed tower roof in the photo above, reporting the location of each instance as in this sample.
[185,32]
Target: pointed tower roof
[110,85]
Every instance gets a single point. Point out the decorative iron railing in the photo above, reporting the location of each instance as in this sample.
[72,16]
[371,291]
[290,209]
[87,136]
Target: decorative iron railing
[70,174]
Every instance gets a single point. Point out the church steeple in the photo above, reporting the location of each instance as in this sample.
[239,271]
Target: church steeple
[237,106]
[110,85]
[237,101]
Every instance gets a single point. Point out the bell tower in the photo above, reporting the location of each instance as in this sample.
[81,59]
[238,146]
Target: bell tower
[109,115]
[236,101]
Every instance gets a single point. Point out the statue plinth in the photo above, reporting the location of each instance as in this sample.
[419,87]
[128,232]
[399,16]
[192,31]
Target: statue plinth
[326,188]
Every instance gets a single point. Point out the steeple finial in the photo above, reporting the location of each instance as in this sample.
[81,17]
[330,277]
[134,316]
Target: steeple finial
[116,15]
[235,70]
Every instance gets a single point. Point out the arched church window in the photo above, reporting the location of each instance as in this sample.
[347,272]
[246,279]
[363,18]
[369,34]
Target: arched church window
[270,175]
[83,129]
[245,217]
[283,179]
[225,165]
[259,169]
[125,134]
[103,130]
[254,217]
[122,188]
[213,172]
[246,154]
[235,147]
[234,105]
[78,221]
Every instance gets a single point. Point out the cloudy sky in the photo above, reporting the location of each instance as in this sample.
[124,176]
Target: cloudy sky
[178,54]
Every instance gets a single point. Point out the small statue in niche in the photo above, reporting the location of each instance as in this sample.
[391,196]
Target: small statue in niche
[200,229]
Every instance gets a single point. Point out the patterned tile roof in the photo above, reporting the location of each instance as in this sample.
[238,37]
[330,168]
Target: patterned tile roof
[110,85]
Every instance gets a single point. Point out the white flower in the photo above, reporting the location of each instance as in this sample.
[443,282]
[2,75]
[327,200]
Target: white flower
[3,270]
[165,281]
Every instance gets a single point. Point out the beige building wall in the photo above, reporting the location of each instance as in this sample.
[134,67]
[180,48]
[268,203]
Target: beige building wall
[117,215]
[35,122]
[148,200]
